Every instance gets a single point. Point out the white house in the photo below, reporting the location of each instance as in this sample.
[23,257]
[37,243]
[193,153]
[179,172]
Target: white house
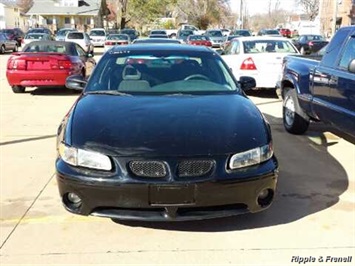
[9,14]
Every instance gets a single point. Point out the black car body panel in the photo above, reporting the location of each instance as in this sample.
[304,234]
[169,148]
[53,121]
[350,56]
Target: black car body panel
[150,125]
[170,152]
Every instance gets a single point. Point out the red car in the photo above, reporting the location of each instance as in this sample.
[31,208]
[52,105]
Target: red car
[47,64]
[199,40]
[285,32]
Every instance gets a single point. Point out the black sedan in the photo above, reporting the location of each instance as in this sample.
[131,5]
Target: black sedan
[309,43]
[164,133]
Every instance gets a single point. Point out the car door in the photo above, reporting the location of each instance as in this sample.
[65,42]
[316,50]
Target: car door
[325,80]
[342,89]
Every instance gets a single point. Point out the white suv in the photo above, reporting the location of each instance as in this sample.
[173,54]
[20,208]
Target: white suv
[82,39]
[98,36]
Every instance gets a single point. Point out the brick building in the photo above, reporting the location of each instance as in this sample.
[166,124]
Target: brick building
[345,14]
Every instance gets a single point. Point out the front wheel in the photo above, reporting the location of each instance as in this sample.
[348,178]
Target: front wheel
[18,89]
[294,119]
[2,49]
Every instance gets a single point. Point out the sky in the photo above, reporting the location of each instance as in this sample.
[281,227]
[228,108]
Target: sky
[261,6]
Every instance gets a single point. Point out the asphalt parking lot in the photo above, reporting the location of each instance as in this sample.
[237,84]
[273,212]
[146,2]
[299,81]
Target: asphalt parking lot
[312,220]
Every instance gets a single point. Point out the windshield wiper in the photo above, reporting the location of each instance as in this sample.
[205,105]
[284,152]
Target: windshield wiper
[109,92]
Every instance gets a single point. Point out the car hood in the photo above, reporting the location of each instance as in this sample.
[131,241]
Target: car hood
[177,125]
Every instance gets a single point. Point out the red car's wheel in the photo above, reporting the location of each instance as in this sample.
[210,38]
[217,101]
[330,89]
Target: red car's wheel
[18,89]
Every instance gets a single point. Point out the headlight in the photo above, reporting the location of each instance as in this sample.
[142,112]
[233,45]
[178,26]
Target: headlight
[79,157]
[251,157]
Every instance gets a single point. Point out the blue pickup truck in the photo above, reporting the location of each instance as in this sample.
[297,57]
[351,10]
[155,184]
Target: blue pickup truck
[321,90]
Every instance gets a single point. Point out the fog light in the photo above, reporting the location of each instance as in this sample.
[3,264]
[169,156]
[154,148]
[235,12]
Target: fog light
[72,200]
[265,197]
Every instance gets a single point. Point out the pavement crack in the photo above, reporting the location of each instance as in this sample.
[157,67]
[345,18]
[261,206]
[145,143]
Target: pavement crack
[26,140]
[28,209]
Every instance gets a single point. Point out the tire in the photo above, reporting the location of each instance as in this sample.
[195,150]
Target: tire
[2,49]
[295,120]
[18,89]
[15,48]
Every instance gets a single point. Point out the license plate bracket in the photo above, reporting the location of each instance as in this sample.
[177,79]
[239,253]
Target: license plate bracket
[171,195]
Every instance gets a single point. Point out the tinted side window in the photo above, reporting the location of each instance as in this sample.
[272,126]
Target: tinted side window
[332,52]
[348,54]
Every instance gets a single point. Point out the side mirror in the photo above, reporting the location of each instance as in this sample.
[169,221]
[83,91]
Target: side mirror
[75,82]
[351,66]
[247,83]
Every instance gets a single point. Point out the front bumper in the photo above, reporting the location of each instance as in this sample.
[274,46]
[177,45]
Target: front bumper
[168,201]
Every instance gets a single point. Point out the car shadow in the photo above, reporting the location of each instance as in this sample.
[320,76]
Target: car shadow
[310,180]
[263,93]
[51,91]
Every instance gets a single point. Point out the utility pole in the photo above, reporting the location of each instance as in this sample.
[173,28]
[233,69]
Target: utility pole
[241,15]
[335,14]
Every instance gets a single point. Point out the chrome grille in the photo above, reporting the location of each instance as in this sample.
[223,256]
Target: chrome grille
[154,169]
[194,168]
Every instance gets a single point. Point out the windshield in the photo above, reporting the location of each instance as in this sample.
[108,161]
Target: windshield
[34,36]
[63,32]
[97,33]
[268,46]
[161,71]
[215,33]
[242,33]
[118,37]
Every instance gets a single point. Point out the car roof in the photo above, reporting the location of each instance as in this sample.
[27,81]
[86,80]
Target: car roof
[160,47]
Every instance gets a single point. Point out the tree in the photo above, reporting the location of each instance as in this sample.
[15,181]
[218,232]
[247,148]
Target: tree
[202,13]
[24,5]
[310,7]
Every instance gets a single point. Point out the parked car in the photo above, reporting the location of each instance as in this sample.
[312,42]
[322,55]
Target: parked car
[309,43]
[226,32]
[229,39]
[47,64]
[216,37]
[14,34]
[40,30]
[30,37]
[60,36]
[6,44]
[81,38]
[183,34]
[269,32]
[172,137]
[199,40]
[133,34]
[285,32]
[324,90]
[156,41]
[259,57]
[162,33]
[98,36]
[116,39]
[242,32]
[158,36]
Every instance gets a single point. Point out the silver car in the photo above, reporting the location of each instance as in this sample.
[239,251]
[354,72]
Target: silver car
[6,44]
[217,38]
